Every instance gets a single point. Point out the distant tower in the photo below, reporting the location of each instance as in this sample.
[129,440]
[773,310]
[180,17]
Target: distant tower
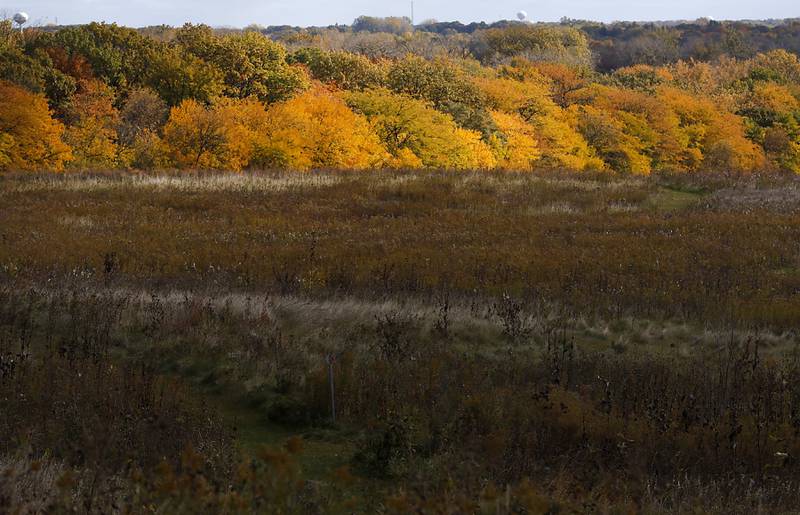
[412,13]
[20,19]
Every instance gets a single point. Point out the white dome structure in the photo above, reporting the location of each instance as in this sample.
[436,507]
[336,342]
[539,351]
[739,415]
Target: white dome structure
[522,15]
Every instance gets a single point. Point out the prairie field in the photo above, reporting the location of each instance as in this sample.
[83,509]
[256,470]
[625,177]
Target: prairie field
[499,266]
[492,342]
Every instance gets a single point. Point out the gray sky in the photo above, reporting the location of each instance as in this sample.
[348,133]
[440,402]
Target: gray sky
[322,12]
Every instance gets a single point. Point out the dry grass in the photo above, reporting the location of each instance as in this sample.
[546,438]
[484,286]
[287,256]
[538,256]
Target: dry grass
[597,246]
[185,183]
[586,344]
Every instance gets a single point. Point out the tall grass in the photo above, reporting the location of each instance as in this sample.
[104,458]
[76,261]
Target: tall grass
[495,350]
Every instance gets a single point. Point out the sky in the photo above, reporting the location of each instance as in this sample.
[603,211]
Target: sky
[239,13]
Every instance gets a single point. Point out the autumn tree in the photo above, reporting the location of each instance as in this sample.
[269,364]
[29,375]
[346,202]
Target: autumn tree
[142,116]
[510,95]
[313,130]
[515,146]
[528,96]
[316,129]
[782,147]
[342,69]
[178,76]
[565,82]
[416,135]
[565,45]
[607,135]
[91,126]
[446,87]
[30,139]
[716,139]
[251,64]
[778,65]
[641,77]
[194,136]
[646,126]
[246,126]
[775,115]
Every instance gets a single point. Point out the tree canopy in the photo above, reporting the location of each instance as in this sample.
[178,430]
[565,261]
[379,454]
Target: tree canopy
[381,93]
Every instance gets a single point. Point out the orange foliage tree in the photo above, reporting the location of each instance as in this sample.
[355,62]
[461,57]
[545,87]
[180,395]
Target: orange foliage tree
[30,139]
[648,131]
[226,135]
[194,136]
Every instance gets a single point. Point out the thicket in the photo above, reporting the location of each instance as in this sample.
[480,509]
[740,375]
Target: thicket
[465,405]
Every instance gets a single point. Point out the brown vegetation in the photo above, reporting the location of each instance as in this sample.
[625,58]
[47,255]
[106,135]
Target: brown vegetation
[503,343]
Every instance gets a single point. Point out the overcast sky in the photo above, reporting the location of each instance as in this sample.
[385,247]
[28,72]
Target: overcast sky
[326,12]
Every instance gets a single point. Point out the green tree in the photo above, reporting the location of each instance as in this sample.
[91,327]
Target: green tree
[343,69]
[251,63]
[119,56]
[178,76]
[446,87]
[26,62]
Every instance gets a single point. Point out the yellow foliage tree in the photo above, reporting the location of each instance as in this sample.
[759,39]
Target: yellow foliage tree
[244,123]
[510,95]
[528,95]
[716,138]
[30,139]
[776,114]
[316,129]
[92,129]
[780,63]
[644,123]
[416,135]
[194,136]
[469,152]
[772,99]
[621,151]
[226,135]
[518,148]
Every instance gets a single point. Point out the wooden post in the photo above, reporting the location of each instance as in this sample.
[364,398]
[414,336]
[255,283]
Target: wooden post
[331,359]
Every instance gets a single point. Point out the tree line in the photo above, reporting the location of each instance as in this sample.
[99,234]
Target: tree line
[514,97]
